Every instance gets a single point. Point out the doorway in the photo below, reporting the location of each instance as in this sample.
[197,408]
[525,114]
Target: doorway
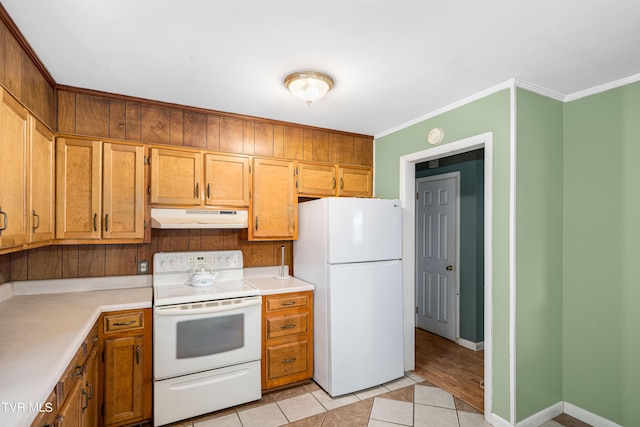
[450,274]
[407,197]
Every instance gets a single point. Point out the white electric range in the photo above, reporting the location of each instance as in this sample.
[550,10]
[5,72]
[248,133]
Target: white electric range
[206,339]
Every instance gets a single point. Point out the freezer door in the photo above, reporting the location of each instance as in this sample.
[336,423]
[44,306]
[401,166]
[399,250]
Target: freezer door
[361,230]
[364,340]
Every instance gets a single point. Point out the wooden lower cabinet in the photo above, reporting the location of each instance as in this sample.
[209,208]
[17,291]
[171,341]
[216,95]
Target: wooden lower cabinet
[287,339]
[109,380]
[127,366]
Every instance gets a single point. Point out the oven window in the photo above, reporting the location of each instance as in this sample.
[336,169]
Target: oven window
[213,335]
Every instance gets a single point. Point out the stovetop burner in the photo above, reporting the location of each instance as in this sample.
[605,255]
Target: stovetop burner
[173,273]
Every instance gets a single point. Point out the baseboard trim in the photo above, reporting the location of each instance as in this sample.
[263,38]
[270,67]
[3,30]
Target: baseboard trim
[497,421]
[543,416]
[475,346]
[588,417]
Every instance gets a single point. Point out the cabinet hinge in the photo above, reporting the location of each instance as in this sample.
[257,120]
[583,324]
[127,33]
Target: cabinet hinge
[249,168]
[416,309]
[417,196]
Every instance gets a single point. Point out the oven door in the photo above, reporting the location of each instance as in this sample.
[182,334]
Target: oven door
[197,337]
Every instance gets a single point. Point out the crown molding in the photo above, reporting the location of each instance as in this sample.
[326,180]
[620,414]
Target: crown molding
[532,87]
[493,89]
[602,88]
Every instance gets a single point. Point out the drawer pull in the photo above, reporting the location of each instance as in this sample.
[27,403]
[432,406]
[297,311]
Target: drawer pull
[289,360]
[289,303]
[77,372]
[94,339]
[287,326]
[130,322]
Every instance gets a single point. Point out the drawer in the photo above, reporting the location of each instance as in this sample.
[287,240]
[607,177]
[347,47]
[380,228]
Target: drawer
[288,324]
[287,359]
[288,301]
[48,412]
[123,322]
[72,374]
[92,339]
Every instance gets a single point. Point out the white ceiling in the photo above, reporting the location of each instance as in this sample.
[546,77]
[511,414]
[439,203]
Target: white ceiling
[393,60]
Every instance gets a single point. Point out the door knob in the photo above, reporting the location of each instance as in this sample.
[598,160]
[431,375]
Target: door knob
[449,267]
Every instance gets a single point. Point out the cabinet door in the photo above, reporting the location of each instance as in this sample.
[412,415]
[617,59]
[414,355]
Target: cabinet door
[316,180]
[79,184]
[355,182]
[123,191]
[90,382]
[274,210]
[176,177]
[41,182]
[13,172]
[123,397]
[71,413]
[227,180]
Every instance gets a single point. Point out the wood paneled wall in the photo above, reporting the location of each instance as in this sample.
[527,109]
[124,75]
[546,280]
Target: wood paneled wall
[22,73]
[101,115]
[72,261]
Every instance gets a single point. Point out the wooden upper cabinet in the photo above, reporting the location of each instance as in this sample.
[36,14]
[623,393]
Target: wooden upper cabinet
[176,177]
[355,182]
[274,208]
[123,191]
[320,180]
[226,180]
[100,190]
[41,182]
[78,189]
[13,172]
[316,179]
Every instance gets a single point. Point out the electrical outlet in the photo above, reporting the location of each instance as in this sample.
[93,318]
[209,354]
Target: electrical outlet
[143,266]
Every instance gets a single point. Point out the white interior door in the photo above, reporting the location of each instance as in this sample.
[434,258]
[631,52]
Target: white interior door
[436,251]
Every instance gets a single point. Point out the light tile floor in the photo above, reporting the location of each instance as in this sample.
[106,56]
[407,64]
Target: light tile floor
[408,401]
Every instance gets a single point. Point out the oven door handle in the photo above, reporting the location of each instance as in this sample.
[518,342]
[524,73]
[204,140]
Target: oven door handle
[182,310]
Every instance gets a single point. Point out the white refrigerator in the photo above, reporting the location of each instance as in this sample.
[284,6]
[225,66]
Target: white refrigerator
[350,249]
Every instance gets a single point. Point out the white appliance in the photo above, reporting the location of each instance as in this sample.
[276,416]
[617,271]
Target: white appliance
[350,249]
[206,339]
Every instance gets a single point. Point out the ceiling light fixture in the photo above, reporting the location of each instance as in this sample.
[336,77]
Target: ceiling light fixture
[309,85]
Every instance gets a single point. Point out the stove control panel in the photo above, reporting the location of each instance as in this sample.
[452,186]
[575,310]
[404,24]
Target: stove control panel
[177,262]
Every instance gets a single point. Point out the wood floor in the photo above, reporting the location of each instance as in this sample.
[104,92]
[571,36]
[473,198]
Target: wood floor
[451,367]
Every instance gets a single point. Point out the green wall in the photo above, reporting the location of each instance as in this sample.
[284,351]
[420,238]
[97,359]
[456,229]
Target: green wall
[601,279]
[488,114]
[471,168]
[539,207]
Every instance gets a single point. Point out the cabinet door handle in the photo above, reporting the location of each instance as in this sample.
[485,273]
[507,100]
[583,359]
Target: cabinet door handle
[85,405]
[137,355]
[106,222]
[334,183]
[287,326]
[4,227]
[95,222]
[130,322]
[288,303]
[77,372]
[208,191]
[36,216]
[341,183]
[256,223]
[197,190]
[90,390]
[293,359]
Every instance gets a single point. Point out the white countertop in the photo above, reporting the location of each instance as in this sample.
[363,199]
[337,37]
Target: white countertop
[40,333]
[264,278]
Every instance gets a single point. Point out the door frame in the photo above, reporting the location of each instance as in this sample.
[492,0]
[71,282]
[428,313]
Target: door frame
[456,271]
[407,201]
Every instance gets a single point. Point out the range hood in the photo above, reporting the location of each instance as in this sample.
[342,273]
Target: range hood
[197,218]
